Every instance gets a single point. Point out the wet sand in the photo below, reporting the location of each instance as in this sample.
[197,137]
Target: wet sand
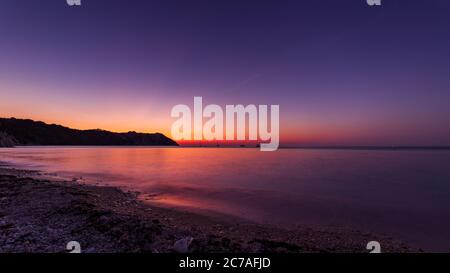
[38,214]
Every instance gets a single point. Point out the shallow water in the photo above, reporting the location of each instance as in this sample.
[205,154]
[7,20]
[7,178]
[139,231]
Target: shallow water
[404,194]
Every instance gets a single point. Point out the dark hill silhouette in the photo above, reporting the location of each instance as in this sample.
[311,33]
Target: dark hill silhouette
[28,132]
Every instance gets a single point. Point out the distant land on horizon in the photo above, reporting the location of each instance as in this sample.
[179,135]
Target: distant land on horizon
[322,147]
[29,132]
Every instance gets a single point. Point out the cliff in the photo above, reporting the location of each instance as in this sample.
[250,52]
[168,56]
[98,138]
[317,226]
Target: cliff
[29,132]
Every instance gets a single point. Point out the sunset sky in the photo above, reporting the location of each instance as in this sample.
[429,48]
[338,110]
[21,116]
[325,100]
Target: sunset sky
[343,73]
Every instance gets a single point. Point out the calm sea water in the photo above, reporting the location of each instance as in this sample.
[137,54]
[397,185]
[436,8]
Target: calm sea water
[404,194]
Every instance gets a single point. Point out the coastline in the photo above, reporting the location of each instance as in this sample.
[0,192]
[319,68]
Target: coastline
[42,215]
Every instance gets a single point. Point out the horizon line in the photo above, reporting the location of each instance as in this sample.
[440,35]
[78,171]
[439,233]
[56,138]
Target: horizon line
[244,143]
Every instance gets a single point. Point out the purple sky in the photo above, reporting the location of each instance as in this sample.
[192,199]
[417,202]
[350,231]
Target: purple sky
[343,73]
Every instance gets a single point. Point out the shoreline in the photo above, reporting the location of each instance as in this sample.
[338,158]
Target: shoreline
[41,215]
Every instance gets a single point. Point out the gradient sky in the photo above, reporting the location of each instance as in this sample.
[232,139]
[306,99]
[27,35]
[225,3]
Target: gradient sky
[343,73]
